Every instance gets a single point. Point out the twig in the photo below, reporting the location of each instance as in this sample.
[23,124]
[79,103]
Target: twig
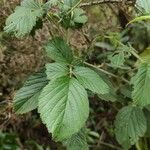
[100,140]
[110,145]
[106,72]
[99,2]
[50,19]
[72,9]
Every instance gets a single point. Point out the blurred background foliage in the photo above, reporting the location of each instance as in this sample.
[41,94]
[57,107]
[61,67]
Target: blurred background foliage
[21,57]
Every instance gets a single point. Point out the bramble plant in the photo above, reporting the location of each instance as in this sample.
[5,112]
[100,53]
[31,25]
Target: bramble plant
[59,90]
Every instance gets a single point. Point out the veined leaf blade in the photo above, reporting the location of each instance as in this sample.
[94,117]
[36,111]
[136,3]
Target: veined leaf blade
[26,99]
[91,80]
[64,107]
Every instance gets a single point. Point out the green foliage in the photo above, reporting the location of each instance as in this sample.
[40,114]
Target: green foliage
[145,55]
[59,91]
[50,3]
[121,52]
[8,141]
[63,103]
[117,59]
[22,21]
[26,99]
[144,5]
[91,80]
[11,141]
[141,85]
[56,70]
[79,16]
[77,141]
[74,18]
[130,125]
[63,107]
[59,51]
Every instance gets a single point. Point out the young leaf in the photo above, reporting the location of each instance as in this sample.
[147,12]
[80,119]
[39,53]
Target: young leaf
[91,80]
[22,21]
[70,3]
[56,70]
[64,107]
[79,16]
[75,18]
[59,51]
[130,125]
[145,55]
[141,85]
[50,3]
[26,99]
[117,59]
[77,141]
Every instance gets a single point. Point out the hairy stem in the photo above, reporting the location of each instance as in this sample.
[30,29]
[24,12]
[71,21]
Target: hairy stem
[99,2]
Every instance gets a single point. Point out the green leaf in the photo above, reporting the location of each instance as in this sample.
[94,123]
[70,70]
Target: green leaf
[144,4]
[111,96]
[56,70]
[22,21]
[117,59]
[50,3]
[77,141]
[140,18]
[73,18]
[79,16]
[59,51]
[145,55]
[91,80]
[70,3]
[26,99]
[130,125]
[141,85]
[64,107]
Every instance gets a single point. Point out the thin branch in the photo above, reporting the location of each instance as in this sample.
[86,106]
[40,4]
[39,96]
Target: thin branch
[74,7]
[110,145]
[100,2]
[106,72]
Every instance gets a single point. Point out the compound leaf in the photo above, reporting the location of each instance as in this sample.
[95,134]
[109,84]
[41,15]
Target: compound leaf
[91,80]
[26,99]
[141,85]
[59,51]
[22,21]
[64,107]
[130,124]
